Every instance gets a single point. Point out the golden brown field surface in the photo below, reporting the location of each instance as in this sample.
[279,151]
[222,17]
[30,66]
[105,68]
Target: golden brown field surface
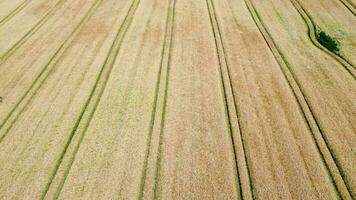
[178,99]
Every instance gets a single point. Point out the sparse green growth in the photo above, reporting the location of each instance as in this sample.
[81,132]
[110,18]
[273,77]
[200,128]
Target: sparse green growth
[328,42]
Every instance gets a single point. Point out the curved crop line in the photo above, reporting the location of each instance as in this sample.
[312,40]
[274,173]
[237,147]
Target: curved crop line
[335,171]
[168,24]
[31,91]
[14,12]
[101,81]
[163,114]
[32,31]
[349,5]
[218,39]
[312,32]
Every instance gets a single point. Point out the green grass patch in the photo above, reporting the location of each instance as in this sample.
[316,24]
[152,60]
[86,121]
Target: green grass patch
[328,42]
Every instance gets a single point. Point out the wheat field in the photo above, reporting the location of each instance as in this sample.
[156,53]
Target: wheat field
[178,99]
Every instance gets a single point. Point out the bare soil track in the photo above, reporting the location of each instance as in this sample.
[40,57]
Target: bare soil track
[177,99]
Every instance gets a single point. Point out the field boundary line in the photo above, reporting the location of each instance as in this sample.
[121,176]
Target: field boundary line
[330,162]
[14,12]
[312,33]
[29,33]
[159,94]
[232,112]
[81,127]
[349,5]
[41,77]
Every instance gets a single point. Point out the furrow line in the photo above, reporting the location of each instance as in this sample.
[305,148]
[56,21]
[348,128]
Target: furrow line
[14,12]
[349,6]
[93,100]
[158,99]
[32,31]
[232,111]
[312,33]
[159,128]
[42,76]
[326,153]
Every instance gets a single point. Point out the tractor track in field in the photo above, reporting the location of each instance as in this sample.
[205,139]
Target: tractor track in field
[67,75]
[159,91]
[335,171]
[159,144]
[91,104]
[47,111]
[312,34]
[349,5]
[31,32]
[166,63]
[14,12]
[242,171]
[20,106]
